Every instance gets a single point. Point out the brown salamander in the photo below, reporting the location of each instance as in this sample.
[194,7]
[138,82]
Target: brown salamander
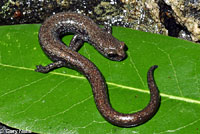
[84,29]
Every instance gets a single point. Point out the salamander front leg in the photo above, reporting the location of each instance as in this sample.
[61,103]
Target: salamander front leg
[50,67]
[76,43]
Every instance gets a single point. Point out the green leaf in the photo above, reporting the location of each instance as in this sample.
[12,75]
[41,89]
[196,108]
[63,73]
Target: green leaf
[61,102]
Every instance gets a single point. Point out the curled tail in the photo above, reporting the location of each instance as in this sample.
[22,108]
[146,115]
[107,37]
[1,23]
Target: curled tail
[120,119]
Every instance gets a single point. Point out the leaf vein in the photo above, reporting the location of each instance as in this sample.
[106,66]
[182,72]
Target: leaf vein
[66,110]
[21,87]
[173,68]
[134,66]
[42,97]
[189,100]
[182,127]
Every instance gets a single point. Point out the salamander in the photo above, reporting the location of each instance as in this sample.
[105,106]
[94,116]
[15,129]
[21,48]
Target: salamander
[86,30]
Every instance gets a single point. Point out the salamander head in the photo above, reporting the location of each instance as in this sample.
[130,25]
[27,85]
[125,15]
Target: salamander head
[113,49]
[117,53]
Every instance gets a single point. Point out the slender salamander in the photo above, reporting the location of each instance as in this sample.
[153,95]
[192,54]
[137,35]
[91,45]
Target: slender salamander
[84,29]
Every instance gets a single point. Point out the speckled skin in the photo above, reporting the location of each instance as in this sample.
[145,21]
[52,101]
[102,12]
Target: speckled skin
[63,56]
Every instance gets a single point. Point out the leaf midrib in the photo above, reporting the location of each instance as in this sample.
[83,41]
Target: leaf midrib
[188,100]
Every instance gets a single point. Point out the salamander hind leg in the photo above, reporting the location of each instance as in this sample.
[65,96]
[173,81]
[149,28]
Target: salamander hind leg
[49,67]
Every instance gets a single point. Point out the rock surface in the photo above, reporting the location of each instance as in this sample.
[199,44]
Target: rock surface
[177,18]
